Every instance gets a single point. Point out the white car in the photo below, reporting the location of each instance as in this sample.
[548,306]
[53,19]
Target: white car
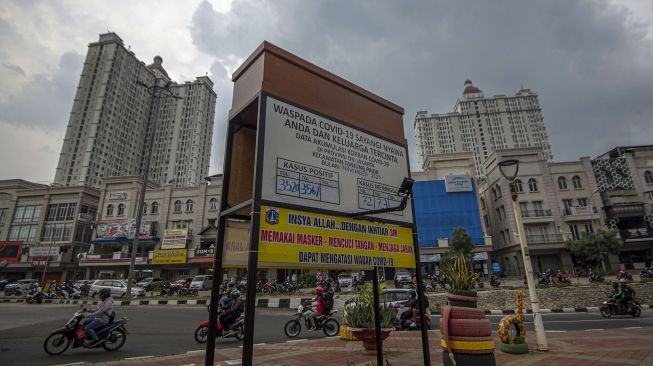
[202,282]
[118,288]
[345,281]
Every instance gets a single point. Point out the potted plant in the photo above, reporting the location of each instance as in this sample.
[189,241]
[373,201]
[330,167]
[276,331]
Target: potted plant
[466,333]
[360,316]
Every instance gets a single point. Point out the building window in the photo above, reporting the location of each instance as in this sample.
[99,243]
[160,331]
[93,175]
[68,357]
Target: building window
[213,204]
[518,186]
[144,208]
[648,177]
[589,228]
[532,185]
[121,210]
[27,214]
[574,232]
[177,206]
[523,207]
[562,182]
[582,202]
[576,182]
[155,207]
[110,210]
[212,222]
[568,204]
[498,191]
[494,194]
[189,206]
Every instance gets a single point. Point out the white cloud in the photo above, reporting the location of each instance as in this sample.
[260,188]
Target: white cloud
[28,152]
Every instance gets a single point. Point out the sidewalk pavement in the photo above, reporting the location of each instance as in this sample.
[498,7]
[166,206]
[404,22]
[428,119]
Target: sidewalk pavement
[628,346]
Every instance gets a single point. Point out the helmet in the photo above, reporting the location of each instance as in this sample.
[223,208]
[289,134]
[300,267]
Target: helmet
[319,290]
[104,293]
[412,293]
[231,284]
[615,284]
[235,294]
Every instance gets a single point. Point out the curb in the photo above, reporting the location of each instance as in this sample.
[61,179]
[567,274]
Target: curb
[291,303]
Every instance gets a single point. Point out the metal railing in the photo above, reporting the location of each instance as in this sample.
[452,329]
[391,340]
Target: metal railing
[544,238]
[570,211]
[536,213]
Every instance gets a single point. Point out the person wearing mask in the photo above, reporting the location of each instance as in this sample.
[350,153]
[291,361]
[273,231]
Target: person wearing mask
[628,294]
[231,314]
[99,317]
[319,308]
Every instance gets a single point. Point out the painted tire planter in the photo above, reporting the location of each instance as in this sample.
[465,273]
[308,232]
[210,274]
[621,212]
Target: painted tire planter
[368,336]
[514,348]
[466,332]
[504,328]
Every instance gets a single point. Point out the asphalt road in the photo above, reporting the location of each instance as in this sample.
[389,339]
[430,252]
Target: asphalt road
[165,330]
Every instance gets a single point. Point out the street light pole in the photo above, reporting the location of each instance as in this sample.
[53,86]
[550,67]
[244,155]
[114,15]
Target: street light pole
[156,92]
[589,202]
[540,335]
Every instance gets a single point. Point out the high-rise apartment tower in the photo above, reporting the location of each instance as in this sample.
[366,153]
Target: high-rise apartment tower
[481,125]
[112,115]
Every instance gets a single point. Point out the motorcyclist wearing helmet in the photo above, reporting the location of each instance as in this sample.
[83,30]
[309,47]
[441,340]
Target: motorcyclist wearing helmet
[231,314]
[319,308]
[100,316]
[628,293]
[411,304]
[226,299]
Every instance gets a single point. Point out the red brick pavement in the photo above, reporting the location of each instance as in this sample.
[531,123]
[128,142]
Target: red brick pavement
[578,348]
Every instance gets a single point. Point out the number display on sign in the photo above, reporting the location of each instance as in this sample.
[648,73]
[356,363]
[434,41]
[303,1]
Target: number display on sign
[305,181]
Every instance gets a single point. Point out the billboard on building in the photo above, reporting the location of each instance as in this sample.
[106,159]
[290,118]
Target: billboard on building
[174,239]
[169,256]
[306,239]
[43,251]
[125,228]
[10,251]
[321,164]
[458,183]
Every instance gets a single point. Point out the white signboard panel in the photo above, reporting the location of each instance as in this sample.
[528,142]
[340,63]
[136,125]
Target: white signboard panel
[458,183]
[315,162]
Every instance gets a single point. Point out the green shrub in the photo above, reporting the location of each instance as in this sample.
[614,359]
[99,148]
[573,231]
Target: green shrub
[360,314]
[520,340]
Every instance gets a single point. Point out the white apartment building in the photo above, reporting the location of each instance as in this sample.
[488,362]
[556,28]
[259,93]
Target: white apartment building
[112,114]
[482,125]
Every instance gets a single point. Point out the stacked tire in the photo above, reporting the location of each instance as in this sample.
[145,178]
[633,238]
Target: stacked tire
[466,332]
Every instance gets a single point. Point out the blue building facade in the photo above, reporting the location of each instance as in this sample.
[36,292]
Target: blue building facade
[438,213]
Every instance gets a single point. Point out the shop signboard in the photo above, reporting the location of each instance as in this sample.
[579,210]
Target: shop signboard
[97,260]
[320,164]
[236,249]
[43,251]
[174,239]
[118,196]
[169,256]
[10,251]
[293,238]
[114,229]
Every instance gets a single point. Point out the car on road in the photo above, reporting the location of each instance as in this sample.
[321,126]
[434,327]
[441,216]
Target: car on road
[150,283]
[118,288]
[345,280]
[402,277]
[23,285]
[202,282]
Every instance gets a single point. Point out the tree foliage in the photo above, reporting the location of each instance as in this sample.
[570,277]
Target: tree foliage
[588,246]
[461,242]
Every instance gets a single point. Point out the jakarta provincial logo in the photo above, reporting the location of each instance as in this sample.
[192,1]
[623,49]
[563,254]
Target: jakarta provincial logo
[272,215]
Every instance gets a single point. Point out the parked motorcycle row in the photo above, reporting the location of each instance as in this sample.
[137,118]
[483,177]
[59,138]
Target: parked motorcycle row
[437,279]
[553,277]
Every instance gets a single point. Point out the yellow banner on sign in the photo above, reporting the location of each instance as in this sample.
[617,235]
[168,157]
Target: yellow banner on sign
[169,256]
[291,238]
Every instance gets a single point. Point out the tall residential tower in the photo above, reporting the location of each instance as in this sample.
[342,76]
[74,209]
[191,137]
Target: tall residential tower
[481,125]
[111,116]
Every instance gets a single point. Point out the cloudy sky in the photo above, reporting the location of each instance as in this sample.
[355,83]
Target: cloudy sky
[589,61]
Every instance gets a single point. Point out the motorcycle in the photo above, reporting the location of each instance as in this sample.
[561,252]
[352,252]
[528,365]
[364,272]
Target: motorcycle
[479,283]
[543,279]
[112,336]
[610,308]
[36,296]
[202,331]
[324,322]
[624,275]
[562,278]
[412,323]
[595,277]
[646,273]
[494,281]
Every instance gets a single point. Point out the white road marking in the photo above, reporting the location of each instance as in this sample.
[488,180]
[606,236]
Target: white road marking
[296,340]
[71,364]
[633,328]
[556,331]
[233,362]
[138,358]
[196,351]
[260,344]
[591,330]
